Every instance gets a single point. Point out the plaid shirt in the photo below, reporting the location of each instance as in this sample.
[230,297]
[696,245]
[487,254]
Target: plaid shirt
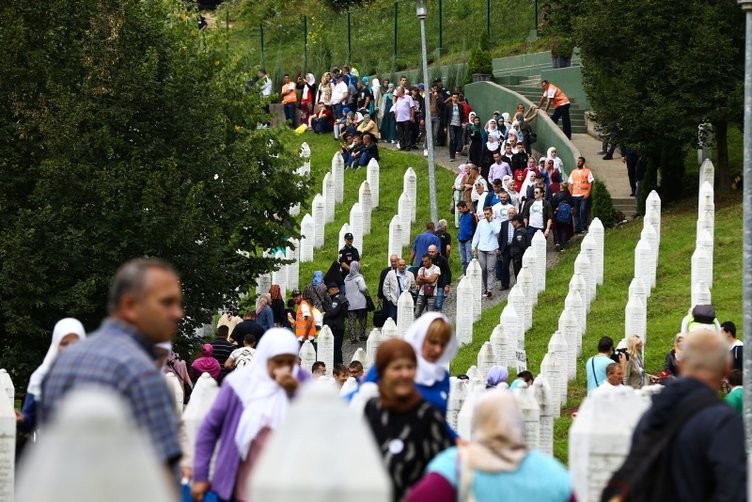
[118,357]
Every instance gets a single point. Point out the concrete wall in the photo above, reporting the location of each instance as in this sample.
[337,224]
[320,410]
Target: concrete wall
[570,81]
[485,97]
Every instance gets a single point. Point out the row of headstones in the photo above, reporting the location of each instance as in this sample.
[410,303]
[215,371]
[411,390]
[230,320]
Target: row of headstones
[701,280]
[400,226]
[506,347]
[93,451]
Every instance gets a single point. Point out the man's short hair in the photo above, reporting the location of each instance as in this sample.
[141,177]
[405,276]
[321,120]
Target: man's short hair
[525,375]
[249,339]
[462,203]
[430,226]
[735,378]
[317,365]
[729,327]
[339,369]
[611,368]
[605,344]
[487,208]
[356,365]
[518,218]
[581,158]
[428,256]
[130,279]
[223,331]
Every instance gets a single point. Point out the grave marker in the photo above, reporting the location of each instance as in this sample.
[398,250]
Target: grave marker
[504,344]
[635,318]
[7,441]
[583,266]
[364,199]
[648,233]
[475,273]
[360,356]
[356,225]
[464,322]
[512,324]
[372,345]
[307,240]
[516,299]
[530,414]
[389,330]
[403,205]
[395,238]
[410,187]
[485,360]
[577,283]
[457,392]
[292,253]
[279,276]
[539,245]
[329,196]
[325,349]
[338,175]
[551,368]
[705,241]
[701,271]
[465,417]
[372,176]
[319,220]
[307,355]
[542,392]
[405,312]
[263,283]
[573,301]
[644,265]
[598,232]
[701,294]
[570,328]
[6,386]
[590,248]
[559,347]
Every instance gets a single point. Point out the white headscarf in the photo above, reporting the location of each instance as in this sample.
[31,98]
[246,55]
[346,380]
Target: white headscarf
[551,154]
[528,181]
[264,401]
[310,79]
[430,373]
[492,144]
[67,326]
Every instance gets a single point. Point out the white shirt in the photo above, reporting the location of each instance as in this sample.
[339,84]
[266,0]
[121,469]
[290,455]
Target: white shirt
[339,93]
[429,273]
[536,215]
[606,388]
[501,211]
[266,86]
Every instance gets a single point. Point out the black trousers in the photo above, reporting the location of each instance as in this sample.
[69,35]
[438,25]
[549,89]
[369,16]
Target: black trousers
[563,113]
[502,268]
[517,265]
[404,134]
[339,336]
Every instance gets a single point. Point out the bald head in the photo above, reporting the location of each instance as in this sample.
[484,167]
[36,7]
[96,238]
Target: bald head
[393,260]
[705,356]
[433,250]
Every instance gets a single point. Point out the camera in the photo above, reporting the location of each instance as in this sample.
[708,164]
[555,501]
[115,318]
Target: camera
[617,352]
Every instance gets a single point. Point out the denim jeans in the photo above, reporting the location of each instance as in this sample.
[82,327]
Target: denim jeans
[455,136]
[581,211]
[440,296]
[466,254]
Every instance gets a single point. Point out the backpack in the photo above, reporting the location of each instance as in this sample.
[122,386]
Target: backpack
[645,475]
[564,212]
[245,357]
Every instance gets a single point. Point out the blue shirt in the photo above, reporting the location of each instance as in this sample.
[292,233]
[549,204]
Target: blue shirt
[422,241]
[598,362]
[524,483]
[119,358]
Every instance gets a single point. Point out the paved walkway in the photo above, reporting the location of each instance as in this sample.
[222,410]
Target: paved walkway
[612,172]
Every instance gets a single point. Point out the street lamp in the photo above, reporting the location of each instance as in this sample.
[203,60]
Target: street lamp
[746,5]
[422,11]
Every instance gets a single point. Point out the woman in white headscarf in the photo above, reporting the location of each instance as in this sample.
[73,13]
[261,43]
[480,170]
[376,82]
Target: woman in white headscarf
[529,181]
[496,464]
[66,332]
[551,154]
[376,89]
[492,130]
[307,97]
[252,403]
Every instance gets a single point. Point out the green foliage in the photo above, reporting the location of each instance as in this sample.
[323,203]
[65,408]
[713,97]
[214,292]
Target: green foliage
[127,132]
[479,62]
[658,97]
[603,205]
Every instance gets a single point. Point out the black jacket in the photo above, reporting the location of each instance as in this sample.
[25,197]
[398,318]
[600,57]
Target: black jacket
[445,279]
[503,233]
[708,461]
[335,316]
[519,243]
[448,114]
[548,213]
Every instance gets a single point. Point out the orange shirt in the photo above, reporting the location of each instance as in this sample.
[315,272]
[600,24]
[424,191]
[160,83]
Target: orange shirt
[291,96]
[303,317]
[581,182]
[556,96]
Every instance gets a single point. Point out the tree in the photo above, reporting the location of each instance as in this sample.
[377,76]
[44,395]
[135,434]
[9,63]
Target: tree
[658,75]
[127,132]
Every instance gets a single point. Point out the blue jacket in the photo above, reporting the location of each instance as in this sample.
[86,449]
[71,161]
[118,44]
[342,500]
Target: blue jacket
[467,227]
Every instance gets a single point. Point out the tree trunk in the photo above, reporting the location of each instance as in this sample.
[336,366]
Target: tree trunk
[722,174]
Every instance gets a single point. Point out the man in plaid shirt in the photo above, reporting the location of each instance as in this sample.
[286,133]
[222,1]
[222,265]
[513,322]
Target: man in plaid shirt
[145,305]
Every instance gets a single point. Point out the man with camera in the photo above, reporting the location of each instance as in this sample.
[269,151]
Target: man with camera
[596,366]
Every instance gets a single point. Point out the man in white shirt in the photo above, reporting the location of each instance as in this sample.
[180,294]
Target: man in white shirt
[339,96]
[486,248]
[265,83]
[395,282]
[428,278]
[404,116]
[614,378]
[501,208]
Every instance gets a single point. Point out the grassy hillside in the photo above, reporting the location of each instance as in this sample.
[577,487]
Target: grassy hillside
[667,305]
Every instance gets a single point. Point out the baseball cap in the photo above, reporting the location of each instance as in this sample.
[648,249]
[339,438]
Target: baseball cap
[296,292]
[348,236]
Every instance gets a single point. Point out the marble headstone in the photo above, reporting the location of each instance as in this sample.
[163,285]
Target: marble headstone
[7,442]
[705,241]
[485,359]
[475,273]
[389,330]
[308,239]
[405,312]
[410,187]
[635,318]
[598,232]
[530,414]
[457,392]
[465,417]
[464,322]
[330,200]
[570,328]
[372,345]
[319,220]
[558,346]
[512,324]
[338,174]
[551,368]
[364,199]
[307,355]
[344,229]
[701,271]
[403,205]
[645,264]
[648,233]
[577,283]
[583,266]
[325,349]
[372,176]
[518,301]
[503,343]
[701,294]
[292,253]
[542,391]
[6,386]
[539,245]
[356,226]
[279,276]
[573,301]
[360,356]
[395,238]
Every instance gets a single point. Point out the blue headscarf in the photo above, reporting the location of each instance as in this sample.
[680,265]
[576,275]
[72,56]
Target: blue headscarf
[318,277]
[496,375]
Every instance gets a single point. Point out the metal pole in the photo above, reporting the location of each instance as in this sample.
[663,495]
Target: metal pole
[394,50]
[535,17]
[429,127]
[441,27]
[488,19]
[747,228]
[305,43]
[349,40]
[261,32]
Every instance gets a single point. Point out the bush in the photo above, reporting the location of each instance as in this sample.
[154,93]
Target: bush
[603,206]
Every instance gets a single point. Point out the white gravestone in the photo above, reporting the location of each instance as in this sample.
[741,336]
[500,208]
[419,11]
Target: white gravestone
[7,441]
[279,276]
[530,260]
[333,477]
[648,233]
[372,176]
[595,451]
[465,416]
[457,393]
[395,238]
[706,209]
[405,312]
[356,226]
[539,245]
[389,330]
[503,343]
[637,288]
[573,301]
[364,199]
[558,346]
[526,283]
[372,345]
[403,210]
[473,373]
[475,273]
[344,229]
[583,266]
[308,239]
[598,232]
[705,241]
[570,328]
[6,387]
[700,272]
[464,322]
[517,300]
[707,172]
[701,294]
[292,253]
[325,349]
[93,452]
[360,356]
[530,414]
[551,368]
[338,174]
[307,355]
[542,392]
[653,211]
[635,318]
[512,324]
[263,283]
[204,393]
[485,359]
[176,390]
[410,187]
[305,154]
[330,200]
[319,220]
[577,283]
[590,248]
[520,360]
[644,265]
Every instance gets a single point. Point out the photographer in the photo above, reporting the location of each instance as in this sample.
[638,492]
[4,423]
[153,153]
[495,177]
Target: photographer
[595,367]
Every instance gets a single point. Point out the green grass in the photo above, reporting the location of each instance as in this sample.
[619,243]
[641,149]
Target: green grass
[393,165]
[666,307]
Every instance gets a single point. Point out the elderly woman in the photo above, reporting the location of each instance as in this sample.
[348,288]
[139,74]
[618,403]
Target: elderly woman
[671,366]
[634,370]
[497,464]
[66,332]
[355,292]
[206,363]
[251,404]
[457,191]
[317,292]
[408,431]
[387,125]
[497,375]
[264,313]
[369,126]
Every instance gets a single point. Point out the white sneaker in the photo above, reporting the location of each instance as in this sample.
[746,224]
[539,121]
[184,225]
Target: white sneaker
[425,152]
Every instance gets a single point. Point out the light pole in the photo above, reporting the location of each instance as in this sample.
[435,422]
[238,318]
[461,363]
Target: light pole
[421,11]
[746,5]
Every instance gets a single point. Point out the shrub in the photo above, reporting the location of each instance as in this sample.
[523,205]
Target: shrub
[603,206]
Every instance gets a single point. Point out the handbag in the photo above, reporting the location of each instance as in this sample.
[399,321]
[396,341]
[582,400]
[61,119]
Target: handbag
[429,290]
[379,318]
[370,307]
